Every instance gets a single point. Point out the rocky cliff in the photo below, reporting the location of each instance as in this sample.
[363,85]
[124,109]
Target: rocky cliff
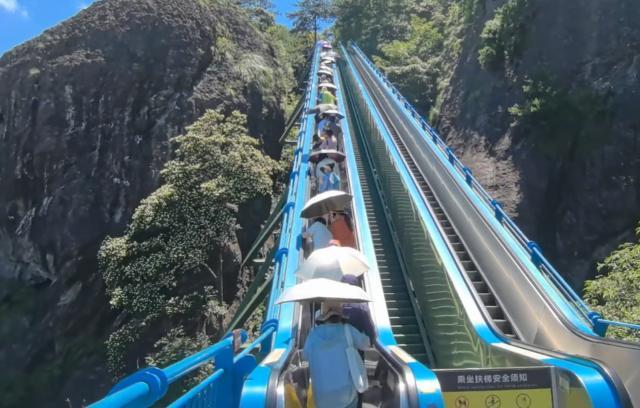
[578,193]
[547,122]
[86,112]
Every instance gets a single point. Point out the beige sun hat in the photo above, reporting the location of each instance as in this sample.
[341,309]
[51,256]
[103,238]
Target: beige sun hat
[330,309]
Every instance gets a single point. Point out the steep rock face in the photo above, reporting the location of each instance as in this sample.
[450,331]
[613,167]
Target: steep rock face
[577,206]
[86,111]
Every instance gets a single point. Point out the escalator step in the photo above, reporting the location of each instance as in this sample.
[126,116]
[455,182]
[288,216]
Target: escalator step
[422,357]
[480,286]
[487,299]
[474,275]
[412,348]
[458,246]
[399,311]
[404,329]
[495,312]
[463,255]
[503,325]
[454,239]
[398,303]
[408,321]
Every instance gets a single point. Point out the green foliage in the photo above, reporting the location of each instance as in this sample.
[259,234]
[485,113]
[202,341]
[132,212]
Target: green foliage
[471,8]
[412,64]
[176,345]
[503,36]
[156,272]
[563,121]
[263,19]
[372,22]
[615,292]
[256,4]
[310,14]
[415,43]
[291,50]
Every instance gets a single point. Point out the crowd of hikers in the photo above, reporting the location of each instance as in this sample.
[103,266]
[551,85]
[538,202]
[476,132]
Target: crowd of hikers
[339,331]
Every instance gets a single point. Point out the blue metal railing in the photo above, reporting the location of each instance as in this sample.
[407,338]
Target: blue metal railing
[598,323]
[222,388]
[255,392]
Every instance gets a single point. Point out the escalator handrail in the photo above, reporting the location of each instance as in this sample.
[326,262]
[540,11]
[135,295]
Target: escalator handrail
[363,233]
[599,389]
[599,324]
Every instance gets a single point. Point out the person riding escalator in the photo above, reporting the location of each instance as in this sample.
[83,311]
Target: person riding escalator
[326,96]
[329,179]
[325,349]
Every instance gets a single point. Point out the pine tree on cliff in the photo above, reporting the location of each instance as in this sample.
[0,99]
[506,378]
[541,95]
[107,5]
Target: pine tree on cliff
[310,14]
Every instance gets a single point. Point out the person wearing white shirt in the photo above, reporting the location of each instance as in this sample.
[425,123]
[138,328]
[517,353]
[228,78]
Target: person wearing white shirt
[318,233]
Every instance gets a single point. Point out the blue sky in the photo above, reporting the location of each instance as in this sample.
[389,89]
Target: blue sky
[21,20]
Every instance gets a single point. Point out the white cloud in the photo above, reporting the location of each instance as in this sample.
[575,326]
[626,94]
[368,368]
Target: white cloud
[81,6]
[10,5]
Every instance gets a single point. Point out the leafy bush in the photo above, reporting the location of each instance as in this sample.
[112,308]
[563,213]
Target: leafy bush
[503,35]
[412,63]
[417,44]
[615,292]
[157,271]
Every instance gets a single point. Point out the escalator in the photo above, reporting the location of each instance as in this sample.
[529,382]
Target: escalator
[402,313]
[492,306]
[517,307]
[427,320]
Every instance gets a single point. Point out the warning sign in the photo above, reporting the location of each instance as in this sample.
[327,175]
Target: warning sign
[528,387]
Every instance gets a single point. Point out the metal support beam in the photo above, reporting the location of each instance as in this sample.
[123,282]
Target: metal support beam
[256,292]
[292,119]
[266,231]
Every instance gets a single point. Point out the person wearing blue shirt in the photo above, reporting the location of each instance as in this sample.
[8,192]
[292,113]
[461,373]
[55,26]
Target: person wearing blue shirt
[329,180]
[325,350]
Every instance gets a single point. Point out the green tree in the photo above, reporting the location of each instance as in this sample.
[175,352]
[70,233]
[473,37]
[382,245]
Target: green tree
[503,36]
[165,272]
[256,4]
[310,14]
[411,63]
[416,43]
[615,292]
